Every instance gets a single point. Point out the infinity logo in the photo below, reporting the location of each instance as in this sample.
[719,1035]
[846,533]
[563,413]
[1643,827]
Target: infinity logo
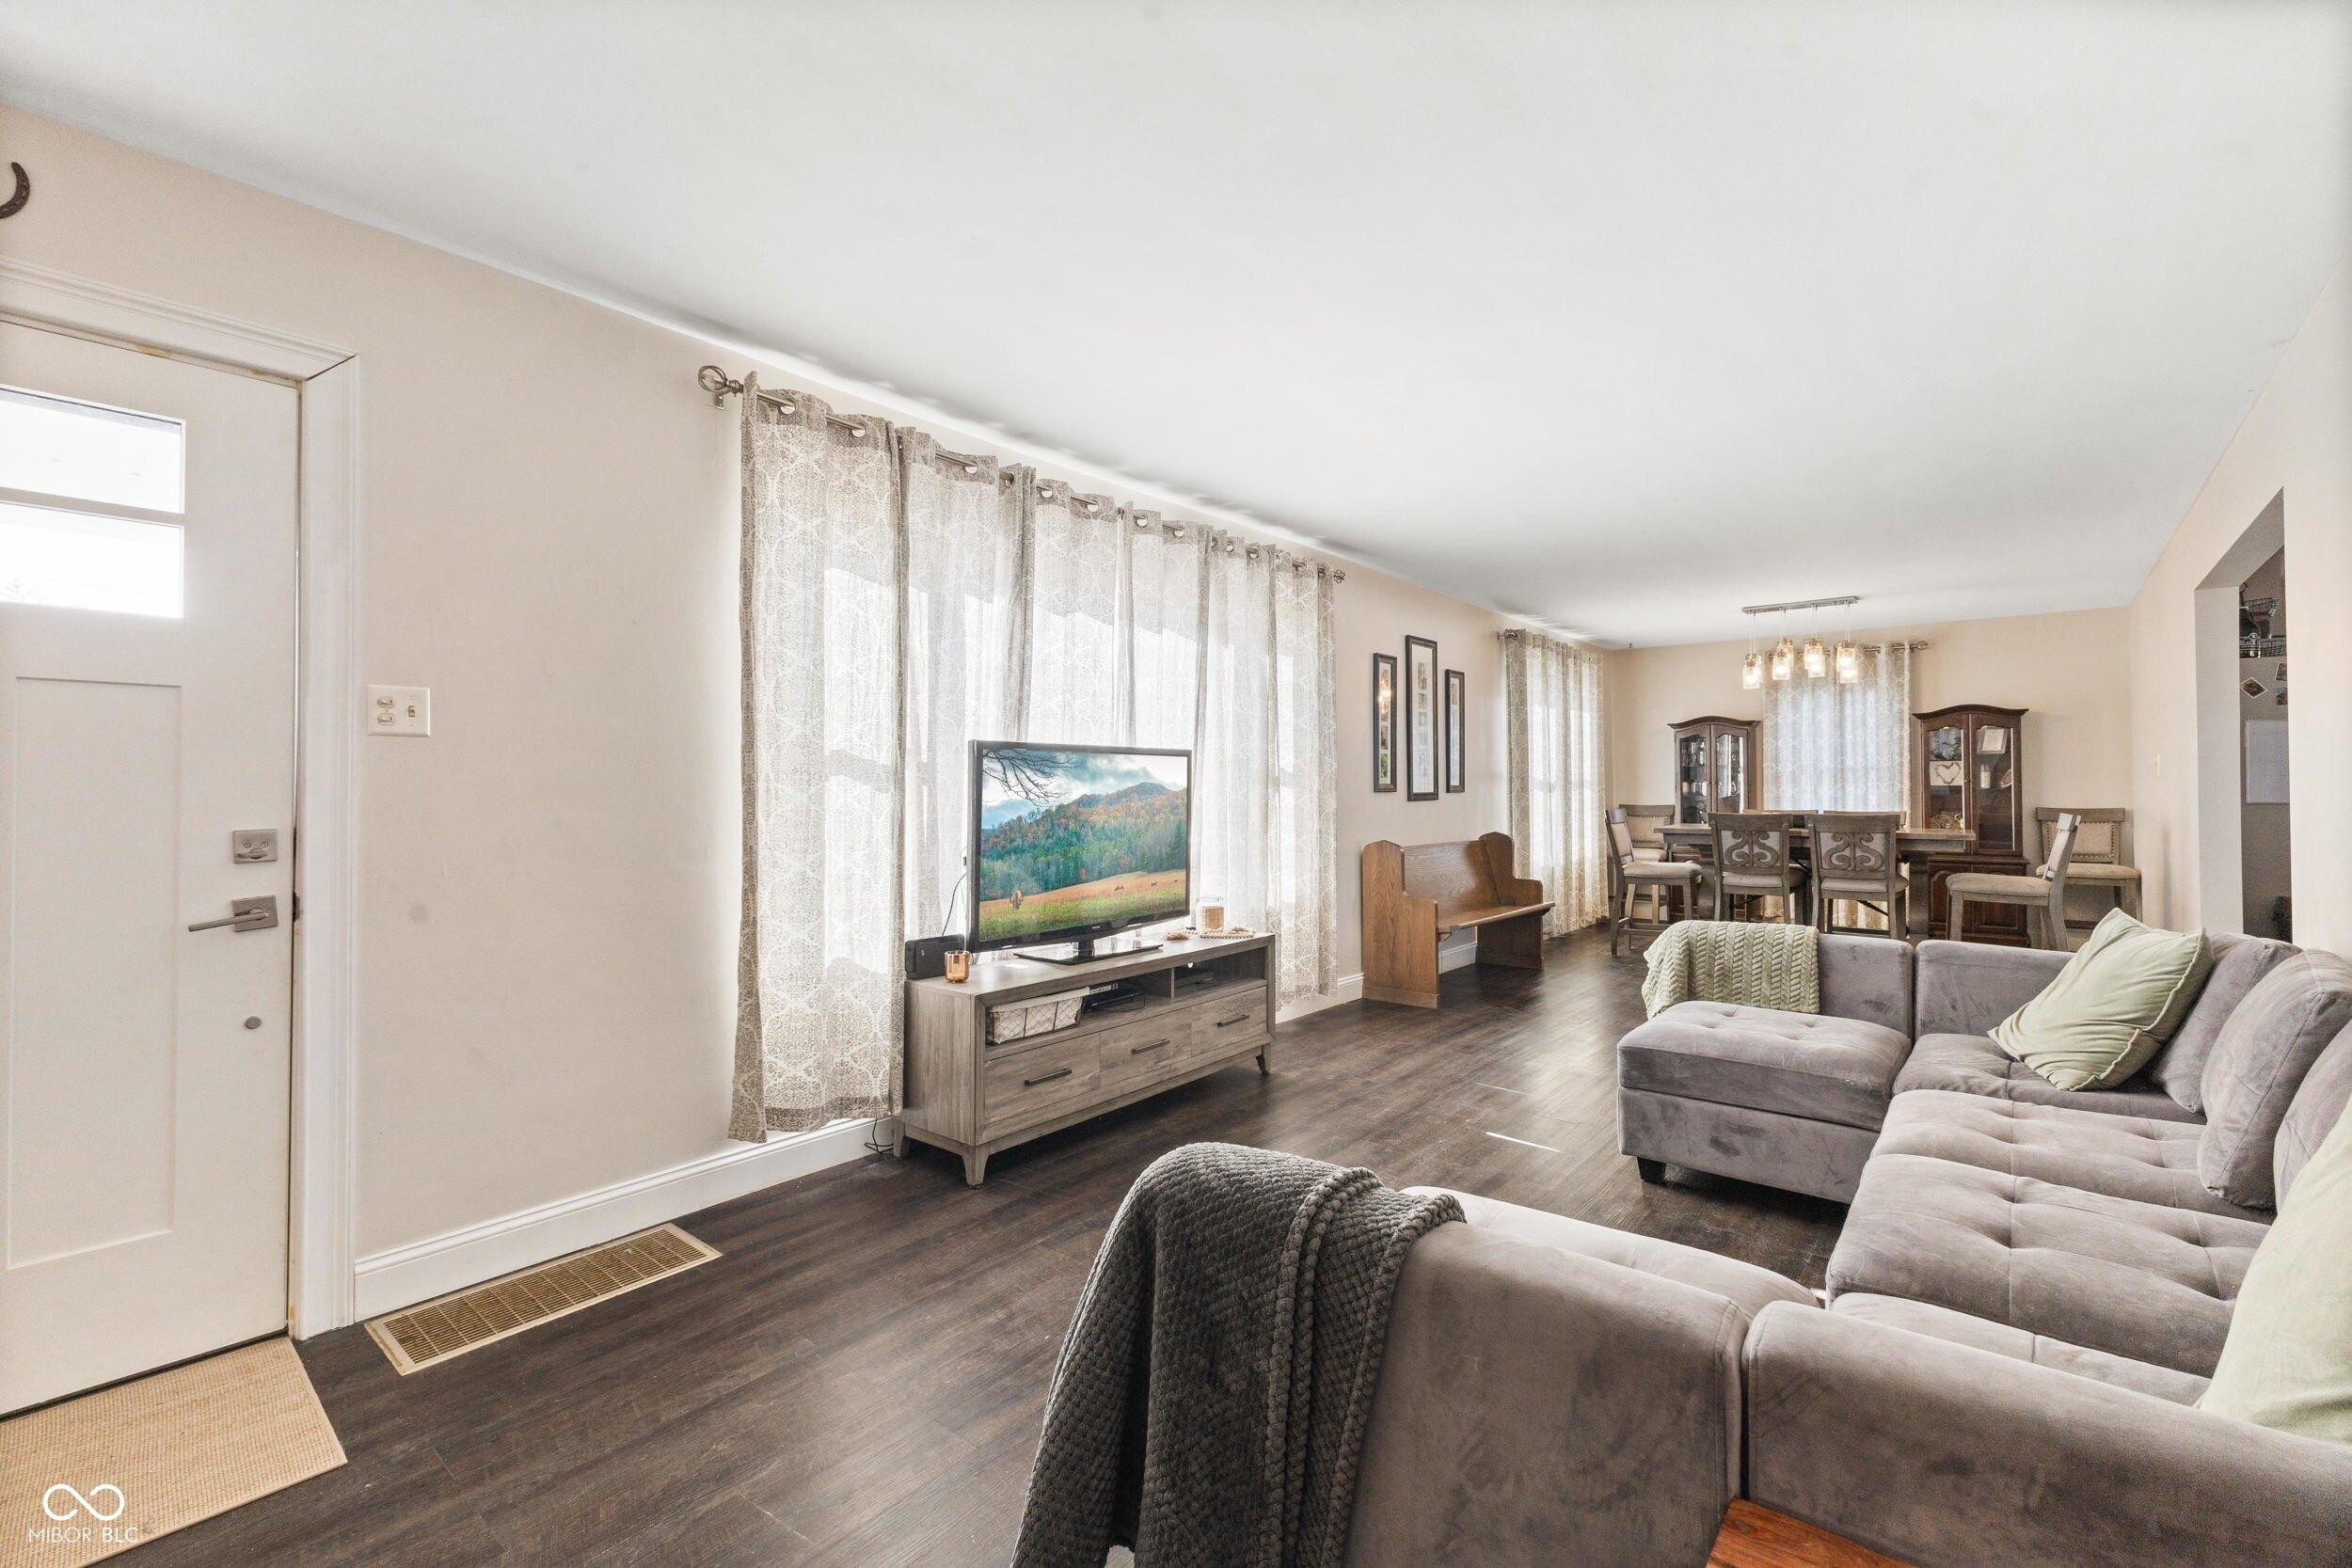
[81,1504]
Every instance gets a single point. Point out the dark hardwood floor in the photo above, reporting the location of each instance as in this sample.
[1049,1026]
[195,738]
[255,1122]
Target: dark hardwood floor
[861,1378]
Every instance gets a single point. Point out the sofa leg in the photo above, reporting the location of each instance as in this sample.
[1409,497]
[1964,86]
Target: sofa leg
[1653,1171]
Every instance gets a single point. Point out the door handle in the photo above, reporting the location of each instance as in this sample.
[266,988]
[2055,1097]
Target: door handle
[244,914]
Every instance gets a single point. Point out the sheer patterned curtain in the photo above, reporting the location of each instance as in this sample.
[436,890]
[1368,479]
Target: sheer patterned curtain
[1829,747]
[1302,867]
[902,601]
[818,970]
[1078,639]
[1167,604]
[1553,693]
[965,587]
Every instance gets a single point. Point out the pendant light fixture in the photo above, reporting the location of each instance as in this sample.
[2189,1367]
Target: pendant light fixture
[1815,658]
[1848,655]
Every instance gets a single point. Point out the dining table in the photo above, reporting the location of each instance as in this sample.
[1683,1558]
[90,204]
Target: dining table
[1913,847]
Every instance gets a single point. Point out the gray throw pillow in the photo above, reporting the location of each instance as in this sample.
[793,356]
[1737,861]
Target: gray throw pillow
[2239,962]
[2265,1051]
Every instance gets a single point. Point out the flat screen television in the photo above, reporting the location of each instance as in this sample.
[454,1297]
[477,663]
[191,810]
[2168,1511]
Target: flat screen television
[1071,843]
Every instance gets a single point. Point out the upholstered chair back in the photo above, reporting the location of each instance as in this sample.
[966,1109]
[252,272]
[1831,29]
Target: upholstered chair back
[2061,841]
[1643,823]
[2098,837]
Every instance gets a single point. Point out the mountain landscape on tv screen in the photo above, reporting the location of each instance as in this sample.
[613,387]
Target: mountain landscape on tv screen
[1095,860]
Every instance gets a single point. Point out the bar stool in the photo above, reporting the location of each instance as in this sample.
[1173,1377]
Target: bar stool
[2098,860]
[1854,858]
[1754,859]
[1667,883]
[2041,892]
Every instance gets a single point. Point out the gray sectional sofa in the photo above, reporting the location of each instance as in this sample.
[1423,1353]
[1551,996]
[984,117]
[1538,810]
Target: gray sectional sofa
[2029,1293]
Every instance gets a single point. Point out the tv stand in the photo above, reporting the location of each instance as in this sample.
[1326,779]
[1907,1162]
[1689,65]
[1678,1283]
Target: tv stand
[1086,950]
[1206,1003]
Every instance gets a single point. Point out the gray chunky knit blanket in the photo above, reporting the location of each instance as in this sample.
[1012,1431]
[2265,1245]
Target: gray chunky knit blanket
[1210,1403]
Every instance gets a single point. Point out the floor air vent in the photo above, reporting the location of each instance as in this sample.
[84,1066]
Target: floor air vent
[426,1336]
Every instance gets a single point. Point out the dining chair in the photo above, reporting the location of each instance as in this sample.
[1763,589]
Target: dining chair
[2041,892]
[1855,859]
[1668,884]
[2098,851]
[1643,823]
[1754,858]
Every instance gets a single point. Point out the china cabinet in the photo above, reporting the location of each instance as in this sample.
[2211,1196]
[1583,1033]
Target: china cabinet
[1717,762]
[1968,767]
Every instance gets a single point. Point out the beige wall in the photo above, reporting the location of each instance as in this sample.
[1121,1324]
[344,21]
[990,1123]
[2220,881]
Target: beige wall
[2072,670]
[1377,614]
[2295,444]
[548,886]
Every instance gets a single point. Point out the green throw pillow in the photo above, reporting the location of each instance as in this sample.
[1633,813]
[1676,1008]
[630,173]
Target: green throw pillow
[2287,1359]
[2113,1003]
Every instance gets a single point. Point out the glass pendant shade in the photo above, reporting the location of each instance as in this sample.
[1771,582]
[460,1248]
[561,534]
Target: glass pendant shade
[1816,658]
[1784,660]
[1848,662]
[1752,671]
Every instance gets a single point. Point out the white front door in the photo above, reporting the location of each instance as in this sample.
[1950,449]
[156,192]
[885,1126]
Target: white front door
[147,715]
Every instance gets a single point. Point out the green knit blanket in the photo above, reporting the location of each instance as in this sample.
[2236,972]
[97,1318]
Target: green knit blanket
[1745,963]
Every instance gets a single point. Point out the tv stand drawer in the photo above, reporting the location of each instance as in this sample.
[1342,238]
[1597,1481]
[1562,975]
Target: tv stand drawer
[1035,1085]
[1233,1018]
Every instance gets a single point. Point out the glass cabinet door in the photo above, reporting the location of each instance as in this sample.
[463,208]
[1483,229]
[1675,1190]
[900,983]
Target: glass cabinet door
[1689,778]
[1946,786]
[1731,770]
[1995,759]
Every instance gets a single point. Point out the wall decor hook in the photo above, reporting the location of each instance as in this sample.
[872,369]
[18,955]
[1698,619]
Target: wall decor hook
[24,193]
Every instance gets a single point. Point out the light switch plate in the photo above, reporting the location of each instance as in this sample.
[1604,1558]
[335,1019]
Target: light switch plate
[399,711]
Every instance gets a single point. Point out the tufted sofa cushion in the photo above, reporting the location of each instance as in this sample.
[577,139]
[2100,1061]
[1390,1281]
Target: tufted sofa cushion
[2141,1158]
[2266,1048]
[1972,1064]
[1958,1328]
[2140,1280]
[1827,1069]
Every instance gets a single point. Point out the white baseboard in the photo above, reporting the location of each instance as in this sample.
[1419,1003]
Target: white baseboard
[1348,987]
[402,1276]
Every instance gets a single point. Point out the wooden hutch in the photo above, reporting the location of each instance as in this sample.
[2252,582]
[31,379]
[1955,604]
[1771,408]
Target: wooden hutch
[1716,763]
[1967,766]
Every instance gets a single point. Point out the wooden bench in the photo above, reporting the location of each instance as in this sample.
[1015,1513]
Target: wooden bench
[1416,895]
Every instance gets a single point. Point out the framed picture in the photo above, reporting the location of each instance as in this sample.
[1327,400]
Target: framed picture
[1384,724]
[1456,716]
[1420,718]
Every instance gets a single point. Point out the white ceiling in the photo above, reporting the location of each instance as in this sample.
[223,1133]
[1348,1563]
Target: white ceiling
[1615,316]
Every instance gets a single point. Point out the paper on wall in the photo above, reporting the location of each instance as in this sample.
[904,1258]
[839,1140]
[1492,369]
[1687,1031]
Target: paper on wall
[2266,762]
